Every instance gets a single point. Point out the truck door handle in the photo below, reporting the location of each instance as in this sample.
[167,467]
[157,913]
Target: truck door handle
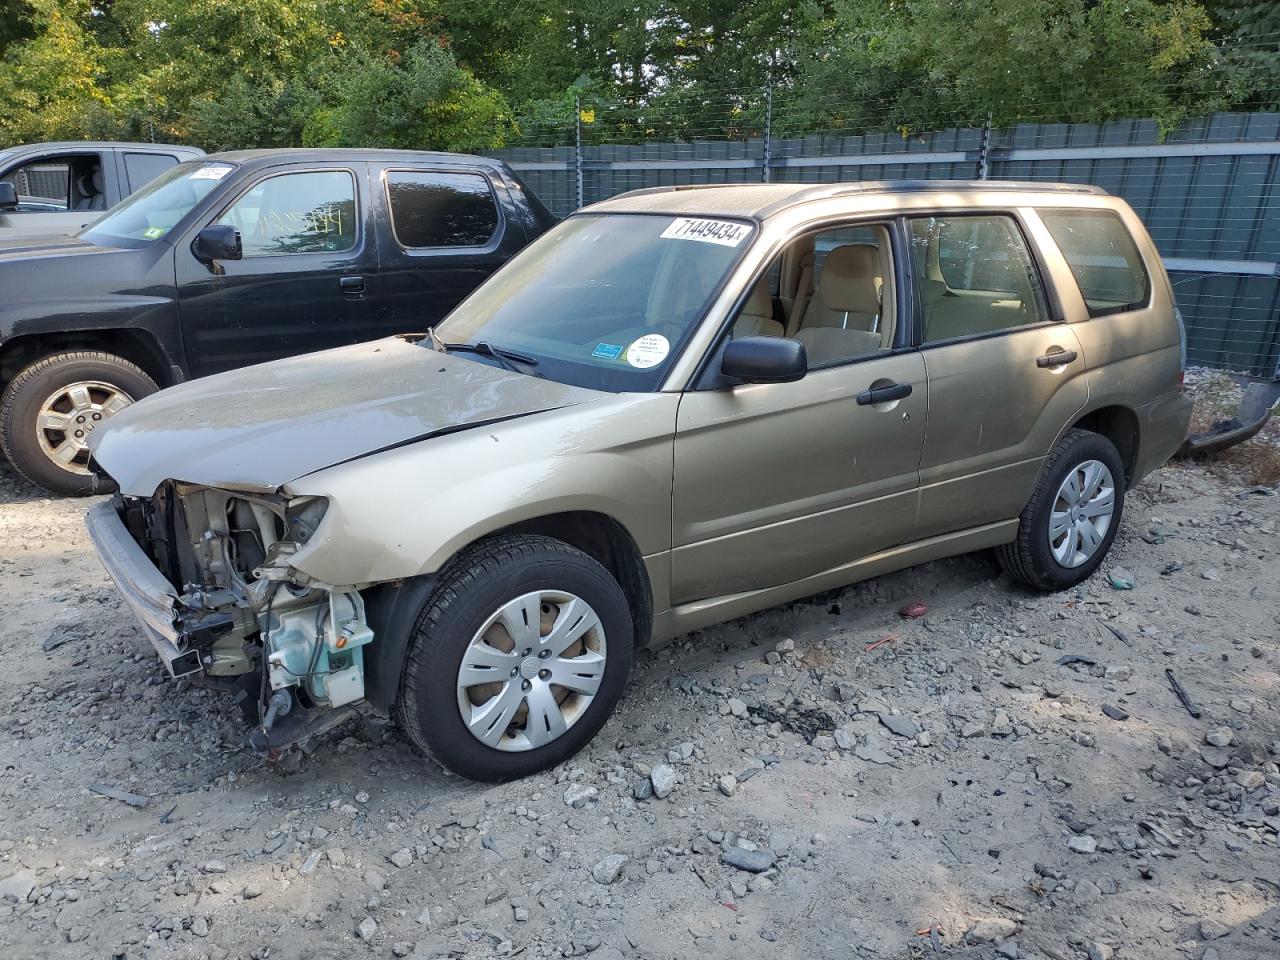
[1059,359]
[886,394]
[351,284]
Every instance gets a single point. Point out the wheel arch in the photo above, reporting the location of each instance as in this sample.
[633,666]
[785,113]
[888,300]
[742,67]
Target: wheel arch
[1119,424]
[393,607]
[136,346]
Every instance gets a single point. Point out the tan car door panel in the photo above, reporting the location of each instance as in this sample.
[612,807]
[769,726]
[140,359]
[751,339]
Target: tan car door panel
[995,409]
[775,482]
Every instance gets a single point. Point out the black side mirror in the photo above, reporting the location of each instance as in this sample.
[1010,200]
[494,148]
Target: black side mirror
[8,196]
[218,242]
[764,360]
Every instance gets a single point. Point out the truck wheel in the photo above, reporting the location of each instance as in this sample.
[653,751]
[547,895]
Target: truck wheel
[517,659]
[1067,527]
[48,411]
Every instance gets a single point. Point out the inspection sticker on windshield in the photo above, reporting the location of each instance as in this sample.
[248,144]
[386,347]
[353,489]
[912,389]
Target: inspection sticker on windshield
[210,173]
[607,351]
[649,351]
[724,232]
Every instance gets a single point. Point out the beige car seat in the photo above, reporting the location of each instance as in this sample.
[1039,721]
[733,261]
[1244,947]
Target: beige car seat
[849,290]
[842,319]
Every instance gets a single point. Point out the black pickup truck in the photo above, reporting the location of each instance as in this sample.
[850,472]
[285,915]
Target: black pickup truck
[234,259]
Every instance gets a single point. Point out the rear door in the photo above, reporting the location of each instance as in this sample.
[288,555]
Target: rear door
[306,278]
[1005,376]
[443,231]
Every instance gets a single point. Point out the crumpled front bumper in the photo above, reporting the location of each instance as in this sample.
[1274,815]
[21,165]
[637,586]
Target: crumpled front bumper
[151,597]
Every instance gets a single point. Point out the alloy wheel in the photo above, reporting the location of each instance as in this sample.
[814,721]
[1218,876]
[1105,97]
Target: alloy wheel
[70,414]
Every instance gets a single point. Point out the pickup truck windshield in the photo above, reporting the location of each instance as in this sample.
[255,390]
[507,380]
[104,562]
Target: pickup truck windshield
[154,210]
[604,301]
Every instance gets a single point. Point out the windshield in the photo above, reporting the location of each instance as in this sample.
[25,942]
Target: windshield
[604,301]
[154,210]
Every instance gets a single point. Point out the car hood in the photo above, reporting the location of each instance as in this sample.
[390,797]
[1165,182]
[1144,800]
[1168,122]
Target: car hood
[26,246]
[259,427]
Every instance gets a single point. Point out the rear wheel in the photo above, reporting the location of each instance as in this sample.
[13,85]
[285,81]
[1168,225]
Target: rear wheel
[517,659]
[51,408]
[1068,525]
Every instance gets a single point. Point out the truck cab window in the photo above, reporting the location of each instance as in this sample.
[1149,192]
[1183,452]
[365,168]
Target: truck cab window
[310,212]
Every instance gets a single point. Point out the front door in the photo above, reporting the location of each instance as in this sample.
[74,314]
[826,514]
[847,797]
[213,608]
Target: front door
[305,282]
[1004,377]
[778,482]
[58,193]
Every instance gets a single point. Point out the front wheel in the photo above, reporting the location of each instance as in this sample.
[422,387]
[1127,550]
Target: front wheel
[517,659]
[51,408]
[1069,523]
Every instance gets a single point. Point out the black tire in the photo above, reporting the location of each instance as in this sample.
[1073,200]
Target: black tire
[471,588]
[1029,558]
[22,398]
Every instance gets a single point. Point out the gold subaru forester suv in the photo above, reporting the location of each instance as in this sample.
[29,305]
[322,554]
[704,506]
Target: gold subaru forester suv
[677,407]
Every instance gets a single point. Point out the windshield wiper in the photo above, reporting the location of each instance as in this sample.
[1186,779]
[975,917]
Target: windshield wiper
[508,358]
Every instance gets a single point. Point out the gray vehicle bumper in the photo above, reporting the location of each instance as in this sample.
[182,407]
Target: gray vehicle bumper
[151,597]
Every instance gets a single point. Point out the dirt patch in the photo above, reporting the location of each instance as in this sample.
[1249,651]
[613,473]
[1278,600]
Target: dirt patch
[963,794]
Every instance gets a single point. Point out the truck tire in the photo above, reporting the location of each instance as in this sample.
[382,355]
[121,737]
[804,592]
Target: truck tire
[1068,525]
[516,660]
[48,411]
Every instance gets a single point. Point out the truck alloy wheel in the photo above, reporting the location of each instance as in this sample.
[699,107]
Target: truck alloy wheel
[51,408]
[70,414]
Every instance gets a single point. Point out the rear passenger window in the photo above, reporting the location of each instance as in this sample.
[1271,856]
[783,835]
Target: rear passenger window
[142,168]
[432,209]
[975,275]
[1102,258]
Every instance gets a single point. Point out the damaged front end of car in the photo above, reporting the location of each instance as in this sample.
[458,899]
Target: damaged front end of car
[207,573]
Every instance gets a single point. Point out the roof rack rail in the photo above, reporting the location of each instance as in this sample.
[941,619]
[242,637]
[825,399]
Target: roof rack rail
[827,191]
[802,193]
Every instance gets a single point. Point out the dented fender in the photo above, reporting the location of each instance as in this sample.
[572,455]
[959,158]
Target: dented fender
[405,512]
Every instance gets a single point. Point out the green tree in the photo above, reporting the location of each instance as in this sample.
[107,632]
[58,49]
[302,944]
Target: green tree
[421,100]
[50,82]
[1252,50]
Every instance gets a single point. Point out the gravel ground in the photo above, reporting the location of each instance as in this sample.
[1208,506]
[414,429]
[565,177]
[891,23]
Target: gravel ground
[957,789]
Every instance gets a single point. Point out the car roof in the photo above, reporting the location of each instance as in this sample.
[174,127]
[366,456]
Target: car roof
[71,145]
[352,154]
[762,200]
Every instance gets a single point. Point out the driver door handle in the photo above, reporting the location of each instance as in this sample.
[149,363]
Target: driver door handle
[354,284]
[886,394]
[1059,359]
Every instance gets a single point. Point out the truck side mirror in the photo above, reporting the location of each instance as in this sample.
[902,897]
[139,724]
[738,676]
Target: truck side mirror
[217,242]
[8,197]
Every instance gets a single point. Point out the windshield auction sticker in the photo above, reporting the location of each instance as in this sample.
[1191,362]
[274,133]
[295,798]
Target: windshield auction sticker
[210,173]
[724,232]
[649,351]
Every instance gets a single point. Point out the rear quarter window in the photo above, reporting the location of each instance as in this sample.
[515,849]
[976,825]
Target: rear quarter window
[1103,259]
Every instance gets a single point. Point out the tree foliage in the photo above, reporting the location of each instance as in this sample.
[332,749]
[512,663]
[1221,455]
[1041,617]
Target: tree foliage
[479,74]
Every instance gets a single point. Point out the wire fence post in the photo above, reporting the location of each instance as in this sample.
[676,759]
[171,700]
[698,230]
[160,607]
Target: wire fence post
[577,145]
[984,150]
[768,131]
